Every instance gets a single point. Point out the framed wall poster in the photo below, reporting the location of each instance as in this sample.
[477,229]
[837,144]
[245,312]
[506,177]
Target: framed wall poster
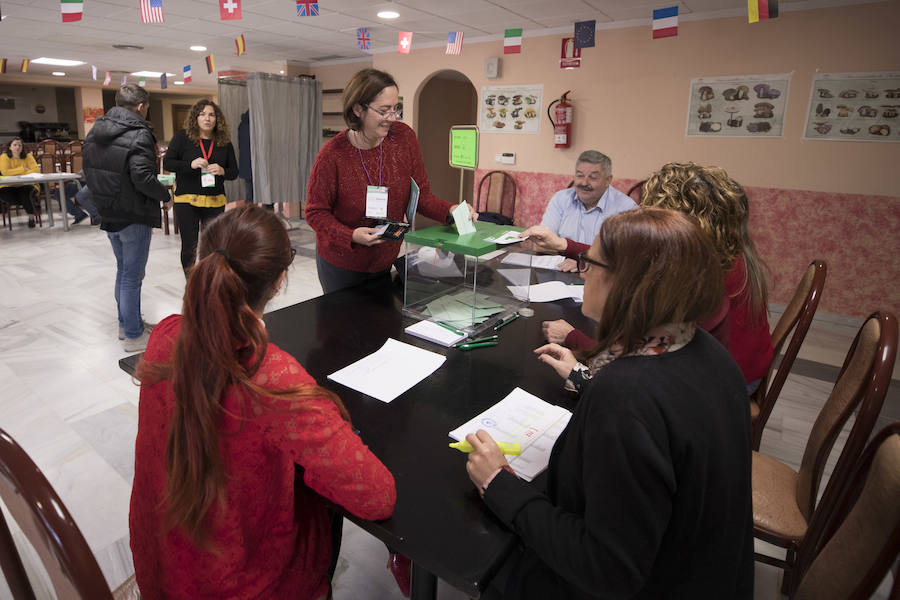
[510,109]
[854,107]
[739,106]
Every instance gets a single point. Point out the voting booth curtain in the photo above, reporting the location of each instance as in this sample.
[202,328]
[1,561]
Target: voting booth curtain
[285,132]
[232,99]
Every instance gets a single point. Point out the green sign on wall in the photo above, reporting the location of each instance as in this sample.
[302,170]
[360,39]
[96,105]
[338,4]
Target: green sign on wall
[464,146]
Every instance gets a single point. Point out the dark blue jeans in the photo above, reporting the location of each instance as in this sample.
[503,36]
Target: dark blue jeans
[132,248]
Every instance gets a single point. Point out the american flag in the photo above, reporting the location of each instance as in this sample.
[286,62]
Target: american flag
[307,8]
[151,11]
[454,42]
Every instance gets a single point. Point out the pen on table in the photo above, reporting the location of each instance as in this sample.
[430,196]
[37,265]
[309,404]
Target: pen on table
[470,346]
[505,447]
[506,321]
[490,338]
[450,328]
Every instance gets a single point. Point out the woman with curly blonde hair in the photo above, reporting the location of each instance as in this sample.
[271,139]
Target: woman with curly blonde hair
[719,205]
[202,158]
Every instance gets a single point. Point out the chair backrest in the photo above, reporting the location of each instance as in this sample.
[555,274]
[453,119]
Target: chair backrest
[500,195]
[47,163]
[847,552]
[48,147]
[48,526]
[861,383]
[76,162]
[636,191]
[797,316]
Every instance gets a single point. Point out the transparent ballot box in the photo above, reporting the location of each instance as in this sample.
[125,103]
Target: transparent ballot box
[468,283]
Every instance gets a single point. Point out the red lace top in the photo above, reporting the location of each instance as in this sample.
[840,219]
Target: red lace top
[274,543]
[337,196]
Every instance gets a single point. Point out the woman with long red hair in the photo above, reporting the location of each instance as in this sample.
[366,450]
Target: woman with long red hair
[224,417]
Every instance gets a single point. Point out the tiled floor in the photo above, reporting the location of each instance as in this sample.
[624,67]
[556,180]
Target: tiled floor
[64,399]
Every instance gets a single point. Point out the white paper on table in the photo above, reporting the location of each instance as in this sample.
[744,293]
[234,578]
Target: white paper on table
[390,371]
[431,331]
[517,277]
[32,175]
[507,237]
[525,419]
[547,291]
[537,261]
[463,219]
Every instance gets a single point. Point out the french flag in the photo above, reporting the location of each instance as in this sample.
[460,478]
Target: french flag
[665,22]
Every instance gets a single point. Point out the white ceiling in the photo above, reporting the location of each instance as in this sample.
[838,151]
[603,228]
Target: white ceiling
[275,35]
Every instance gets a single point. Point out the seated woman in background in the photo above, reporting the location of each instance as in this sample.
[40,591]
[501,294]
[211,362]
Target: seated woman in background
[648,488]
[224,417]
[15,161]
[720,206]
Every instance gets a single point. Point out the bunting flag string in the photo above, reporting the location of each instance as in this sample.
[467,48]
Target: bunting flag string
[94,72]
[230,10]
[665,22]
[584,34]
[163,82]
[2,65]
[24,67]
[404,42]
[210,64]
[72,10]
[151,11]
[241,44]
[362,39]
[454,42]
[512,41]
[187,74]
[307,8]
[758,10]
[107,79]
[142,82]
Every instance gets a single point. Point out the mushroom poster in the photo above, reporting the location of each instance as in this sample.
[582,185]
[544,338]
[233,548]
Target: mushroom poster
[849,107]
[510,109]
[740,106]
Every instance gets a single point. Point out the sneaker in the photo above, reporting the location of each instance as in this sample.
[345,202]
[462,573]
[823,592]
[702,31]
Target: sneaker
[138,344]
[79,218]
[148,327]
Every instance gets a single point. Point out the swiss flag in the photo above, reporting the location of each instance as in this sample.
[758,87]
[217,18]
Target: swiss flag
[229,10]
[404,42]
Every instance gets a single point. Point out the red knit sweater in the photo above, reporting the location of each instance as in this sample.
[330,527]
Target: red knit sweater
[273,543]
[337,196]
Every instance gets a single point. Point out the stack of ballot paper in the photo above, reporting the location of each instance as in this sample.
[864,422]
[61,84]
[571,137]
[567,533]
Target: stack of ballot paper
[434,332]
[458,311]
[547,291]
[524,419]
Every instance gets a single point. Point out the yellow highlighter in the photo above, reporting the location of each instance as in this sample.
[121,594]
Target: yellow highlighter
[505,447]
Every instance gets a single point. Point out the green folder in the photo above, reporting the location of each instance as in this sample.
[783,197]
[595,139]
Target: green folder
[446,238]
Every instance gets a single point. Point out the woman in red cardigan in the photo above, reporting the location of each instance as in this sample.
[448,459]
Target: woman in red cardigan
[224,419]
[362,175]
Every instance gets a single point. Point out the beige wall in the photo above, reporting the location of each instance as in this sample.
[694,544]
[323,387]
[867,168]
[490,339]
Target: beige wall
[168,127]
[631,95]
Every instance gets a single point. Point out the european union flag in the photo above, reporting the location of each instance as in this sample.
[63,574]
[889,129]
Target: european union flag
[584,34]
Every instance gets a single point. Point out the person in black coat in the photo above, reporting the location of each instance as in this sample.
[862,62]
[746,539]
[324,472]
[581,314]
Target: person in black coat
[648,489]
[202,158]
[120,168]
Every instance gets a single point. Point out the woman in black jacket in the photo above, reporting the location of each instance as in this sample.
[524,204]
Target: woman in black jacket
[202,158]
[648,488]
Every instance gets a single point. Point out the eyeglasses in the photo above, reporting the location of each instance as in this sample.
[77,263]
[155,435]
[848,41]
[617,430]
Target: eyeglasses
[293,254]
[386,112]
[584,262]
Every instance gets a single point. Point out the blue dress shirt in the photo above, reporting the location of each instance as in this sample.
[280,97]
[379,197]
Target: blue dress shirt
[567,217]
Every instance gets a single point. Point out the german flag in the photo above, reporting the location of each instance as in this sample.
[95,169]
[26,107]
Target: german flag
[241,46]
[2,65]
[24,67]
[210,64]
[761,9]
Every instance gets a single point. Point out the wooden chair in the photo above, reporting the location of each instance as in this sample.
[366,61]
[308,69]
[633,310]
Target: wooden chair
[797,316]
[500,195]
[74,156]
[7,215]
[784,500]
[48,526]
[636,191]
[856,544]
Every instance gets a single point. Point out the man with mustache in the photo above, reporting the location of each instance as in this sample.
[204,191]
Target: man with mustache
[576,213]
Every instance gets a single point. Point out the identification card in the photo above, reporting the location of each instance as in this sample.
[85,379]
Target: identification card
[207,179]
[376,201]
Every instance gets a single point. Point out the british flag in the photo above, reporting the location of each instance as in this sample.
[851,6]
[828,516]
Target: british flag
[306,8]
[363,39]
[151,11]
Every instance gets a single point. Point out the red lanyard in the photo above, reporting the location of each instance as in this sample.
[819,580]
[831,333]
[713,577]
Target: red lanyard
[206,155]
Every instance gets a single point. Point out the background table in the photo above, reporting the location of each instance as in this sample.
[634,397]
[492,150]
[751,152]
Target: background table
[44,180]
[440,521]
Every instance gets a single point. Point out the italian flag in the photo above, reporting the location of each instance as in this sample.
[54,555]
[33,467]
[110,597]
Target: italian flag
[71,10]
[512,41]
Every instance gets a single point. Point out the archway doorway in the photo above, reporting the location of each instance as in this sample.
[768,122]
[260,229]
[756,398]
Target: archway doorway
[448,98]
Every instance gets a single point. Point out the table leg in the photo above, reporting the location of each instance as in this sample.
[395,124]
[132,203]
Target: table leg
[47,202]
[423,585]
[62,204]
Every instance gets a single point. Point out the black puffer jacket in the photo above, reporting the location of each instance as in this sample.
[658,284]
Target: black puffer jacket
[120,167]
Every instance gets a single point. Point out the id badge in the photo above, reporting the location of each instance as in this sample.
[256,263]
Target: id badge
[207,179]
[376,201]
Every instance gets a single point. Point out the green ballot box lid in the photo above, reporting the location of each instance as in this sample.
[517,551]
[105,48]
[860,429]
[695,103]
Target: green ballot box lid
[446,238]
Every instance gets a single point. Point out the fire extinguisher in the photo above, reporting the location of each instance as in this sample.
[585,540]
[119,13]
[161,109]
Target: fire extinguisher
[562,128]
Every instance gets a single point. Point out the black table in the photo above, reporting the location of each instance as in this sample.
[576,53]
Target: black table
[440,521]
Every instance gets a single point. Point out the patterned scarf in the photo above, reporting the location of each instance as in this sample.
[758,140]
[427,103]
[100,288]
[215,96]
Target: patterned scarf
[659,340]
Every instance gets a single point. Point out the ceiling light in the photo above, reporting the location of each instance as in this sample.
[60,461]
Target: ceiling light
[151,74]
[59,62]
[282,71]
[178,82]
[58,73]
[127,47]
[388,14]
[198,48]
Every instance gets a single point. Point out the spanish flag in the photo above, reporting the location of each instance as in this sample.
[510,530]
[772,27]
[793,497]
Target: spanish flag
[210,64]
[241,46]
[761,9]
[24,67]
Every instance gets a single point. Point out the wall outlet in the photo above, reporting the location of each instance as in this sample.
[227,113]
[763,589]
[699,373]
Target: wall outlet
[508,158]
